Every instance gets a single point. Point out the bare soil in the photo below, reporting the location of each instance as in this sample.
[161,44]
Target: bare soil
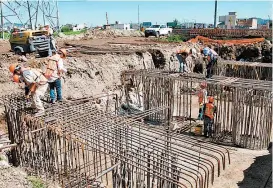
[91,74]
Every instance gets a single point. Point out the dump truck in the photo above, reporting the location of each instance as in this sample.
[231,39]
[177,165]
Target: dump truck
[29,41]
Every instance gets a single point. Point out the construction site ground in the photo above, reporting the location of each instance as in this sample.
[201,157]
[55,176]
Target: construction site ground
[94,67]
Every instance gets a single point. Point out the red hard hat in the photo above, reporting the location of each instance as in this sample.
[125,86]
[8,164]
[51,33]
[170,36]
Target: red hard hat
[203,84]
[211,99]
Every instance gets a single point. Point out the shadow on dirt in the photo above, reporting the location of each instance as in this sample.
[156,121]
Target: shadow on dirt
[259,174]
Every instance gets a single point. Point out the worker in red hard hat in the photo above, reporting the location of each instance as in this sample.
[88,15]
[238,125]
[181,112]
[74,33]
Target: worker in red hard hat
[55,80]
[202,98]
[209,112]
[35,81]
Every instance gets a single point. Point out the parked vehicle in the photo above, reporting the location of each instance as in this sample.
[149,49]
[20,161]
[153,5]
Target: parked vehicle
[30,41]
[158,30]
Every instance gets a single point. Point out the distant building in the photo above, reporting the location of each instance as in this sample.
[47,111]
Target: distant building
[250,23]
[134,26]
[228,21]
[121,26]
[106,26]
[187,25]
[264,23]
[200,25]
[79,27]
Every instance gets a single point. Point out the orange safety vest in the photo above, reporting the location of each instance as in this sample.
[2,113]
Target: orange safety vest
[209,110]
[200,96]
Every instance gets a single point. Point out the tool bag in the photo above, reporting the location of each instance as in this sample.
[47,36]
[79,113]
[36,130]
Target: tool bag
[49,67]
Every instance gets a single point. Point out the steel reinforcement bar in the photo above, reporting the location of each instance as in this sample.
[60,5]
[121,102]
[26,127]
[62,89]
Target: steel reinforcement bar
[247,70]
[80,145]
[244,106]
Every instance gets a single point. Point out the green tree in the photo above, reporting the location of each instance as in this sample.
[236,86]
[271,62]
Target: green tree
[65,29]
[176,22]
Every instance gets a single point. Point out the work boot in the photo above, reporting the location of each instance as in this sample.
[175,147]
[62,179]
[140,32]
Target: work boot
[52,101]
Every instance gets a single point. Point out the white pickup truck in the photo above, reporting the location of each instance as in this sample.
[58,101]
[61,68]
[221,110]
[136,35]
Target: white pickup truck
[158,30]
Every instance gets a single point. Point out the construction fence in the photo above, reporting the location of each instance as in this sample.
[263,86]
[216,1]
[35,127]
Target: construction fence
[234,33]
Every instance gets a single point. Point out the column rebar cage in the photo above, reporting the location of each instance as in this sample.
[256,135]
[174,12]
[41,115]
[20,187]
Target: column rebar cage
[244,116]
[80,144]
[247,70]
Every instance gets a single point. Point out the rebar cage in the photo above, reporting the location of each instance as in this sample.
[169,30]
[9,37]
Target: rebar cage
[248,70]
[244,116]
[82,145]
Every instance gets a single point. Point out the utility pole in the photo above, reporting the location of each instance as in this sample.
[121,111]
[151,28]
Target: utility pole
[2,19]
[107,19]
[215,14]
[28,7]
[138,17]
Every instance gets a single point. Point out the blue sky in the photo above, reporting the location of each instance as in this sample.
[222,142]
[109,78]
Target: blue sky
[93,12]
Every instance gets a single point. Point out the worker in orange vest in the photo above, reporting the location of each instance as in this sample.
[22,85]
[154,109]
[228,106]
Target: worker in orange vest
[209,111]
[202,98]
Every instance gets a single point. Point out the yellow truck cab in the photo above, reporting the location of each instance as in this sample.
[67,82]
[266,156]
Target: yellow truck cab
[30,41]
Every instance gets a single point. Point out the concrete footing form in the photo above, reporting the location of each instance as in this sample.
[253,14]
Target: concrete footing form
[80,145]
[244,115]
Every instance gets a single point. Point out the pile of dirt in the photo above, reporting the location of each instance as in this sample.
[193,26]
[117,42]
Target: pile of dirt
[95,33]
[259,52]
[253,50]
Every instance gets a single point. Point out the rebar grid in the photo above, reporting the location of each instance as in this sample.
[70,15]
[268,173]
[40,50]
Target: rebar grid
[244,116]
[248,70]
[80,145]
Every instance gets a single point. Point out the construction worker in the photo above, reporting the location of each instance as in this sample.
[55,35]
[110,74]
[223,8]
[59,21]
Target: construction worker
[186,62]
[180,60]
[49,29]
[202,99]
[55,80]
[209,111]
[36,83]
[211,56]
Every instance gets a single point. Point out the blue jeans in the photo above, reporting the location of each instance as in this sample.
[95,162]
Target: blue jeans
[208,125]
[180,60]
[26,90]
[56,84]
